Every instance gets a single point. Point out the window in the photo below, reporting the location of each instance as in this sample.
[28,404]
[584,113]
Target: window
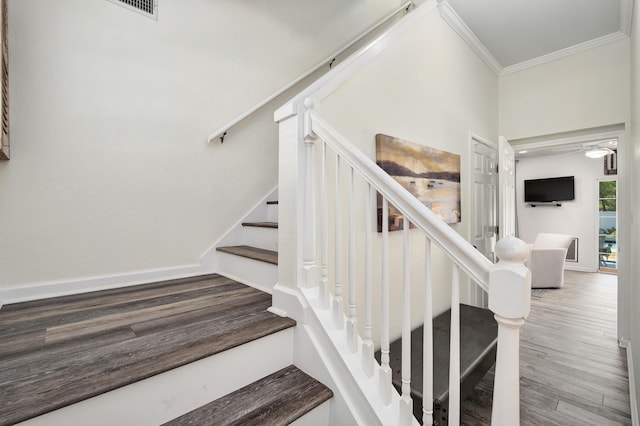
[608,226]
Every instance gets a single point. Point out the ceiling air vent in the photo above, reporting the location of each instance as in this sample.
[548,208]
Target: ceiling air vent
[146,7]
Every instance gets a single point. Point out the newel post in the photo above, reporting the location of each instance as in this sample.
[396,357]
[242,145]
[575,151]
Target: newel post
[309,266]
[510,301]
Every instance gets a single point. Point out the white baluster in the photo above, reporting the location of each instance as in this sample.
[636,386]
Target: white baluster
[406,403]
[323,288]
[427,348]
[367,344]
[311,274]
[338,308]
[454,350]
[352,322]
[385,371]
[510,301]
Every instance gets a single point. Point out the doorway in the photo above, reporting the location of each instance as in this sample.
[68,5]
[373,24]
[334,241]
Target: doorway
[623,242]
[608,226]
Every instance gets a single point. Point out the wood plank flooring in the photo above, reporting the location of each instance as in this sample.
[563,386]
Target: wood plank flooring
[263,255]
[572,370]
[275,400]
[60,351]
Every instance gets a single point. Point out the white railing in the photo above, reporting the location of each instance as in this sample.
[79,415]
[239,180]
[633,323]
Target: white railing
[331,166]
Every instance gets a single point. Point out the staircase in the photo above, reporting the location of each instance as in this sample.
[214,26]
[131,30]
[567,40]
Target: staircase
[200,350]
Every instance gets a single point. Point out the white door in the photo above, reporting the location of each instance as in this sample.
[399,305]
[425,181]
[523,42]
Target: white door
[484,167]
[507,192]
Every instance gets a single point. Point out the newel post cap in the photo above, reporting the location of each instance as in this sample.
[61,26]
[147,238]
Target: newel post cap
[510,280]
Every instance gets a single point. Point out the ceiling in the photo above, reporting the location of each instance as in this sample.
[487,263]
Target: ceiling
[517,32]
[511,35]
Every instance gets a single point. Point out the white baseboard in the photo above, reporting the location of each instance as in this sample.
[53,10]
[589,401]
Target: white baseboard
[632,383]
[568,267]
[48,289]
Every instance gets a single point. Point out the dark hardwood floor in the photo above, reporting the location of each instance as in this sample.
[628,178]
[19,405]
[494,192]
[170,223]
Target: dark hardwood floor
[572,370]
[275,400]
[59,351]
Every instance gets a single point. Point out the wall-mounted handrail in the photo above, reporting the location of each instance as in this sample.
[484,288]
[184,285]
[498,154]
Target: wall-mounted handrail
[220,133]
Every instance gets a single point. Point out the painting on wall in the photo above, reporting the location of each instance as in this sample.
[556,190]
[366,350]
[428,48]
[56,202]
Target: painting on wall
[611,163]
[431,175]
[4,83]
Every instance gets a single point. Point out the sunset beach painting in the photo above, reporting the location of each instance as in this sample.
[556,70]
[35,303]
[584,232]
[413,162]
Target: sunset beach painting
[431,175]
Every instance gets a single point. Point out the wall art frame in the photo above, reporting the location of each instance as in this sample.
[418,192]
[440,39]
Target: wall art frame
[430,174]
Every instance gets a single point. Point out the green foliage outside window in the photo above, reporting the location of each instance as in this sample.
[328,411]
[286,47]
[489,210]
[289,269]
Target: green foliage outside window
[607,196]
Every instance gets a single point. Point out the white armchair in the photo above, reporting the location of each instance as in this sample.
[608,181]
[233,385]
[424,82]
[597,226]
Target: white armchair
[546,260]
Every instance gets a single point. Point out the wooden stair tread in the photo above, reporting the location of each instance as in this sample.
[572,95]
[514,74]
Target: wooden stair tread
[77,347]
[277,399]
[261,224]
[263,255]
[478,341]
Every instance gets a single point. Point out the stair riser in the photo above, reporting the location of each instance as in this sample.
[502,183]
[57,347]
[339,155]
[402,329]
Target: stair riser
[253,273]
[317,416]
[168,395]
[265,238]
[272,212]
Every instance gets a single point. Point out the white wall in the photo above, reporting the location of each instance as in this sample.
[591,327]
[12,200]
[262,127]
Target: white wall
[585,90]
[578,217]
[634,151]
[110,111]
[429,88]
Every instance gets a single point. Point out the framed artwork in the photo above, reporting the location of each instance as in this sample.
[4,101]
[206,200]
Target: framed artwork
[611,163]
[4,77]
[429,174]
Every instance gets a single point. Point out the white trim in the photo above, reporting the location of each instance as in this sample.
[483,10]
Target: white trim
[624,343]
[626,16]
[17,293]
[476,294]
[569,140]
[568,267]
[460,27]
[47,289]
[563,53]
[329,82]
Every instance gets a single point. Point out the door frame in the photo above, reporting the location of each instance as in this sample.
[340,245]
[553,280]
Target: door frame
[624,208]
[477,296]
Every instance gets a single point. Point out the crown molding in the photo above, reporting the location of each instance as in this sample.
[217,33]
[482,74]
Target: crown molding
[626,16]
[457,24]
[559,54]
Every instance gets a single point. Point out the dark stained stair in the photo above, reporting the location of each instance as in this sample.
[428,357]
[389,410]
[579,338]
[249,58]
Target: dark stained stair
[277,399]
[57,352]
[261,224]
[478,343]
[263,255]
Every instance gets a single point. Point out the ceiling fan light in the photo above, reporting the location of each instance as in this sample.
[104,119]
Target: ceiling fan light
[597,153]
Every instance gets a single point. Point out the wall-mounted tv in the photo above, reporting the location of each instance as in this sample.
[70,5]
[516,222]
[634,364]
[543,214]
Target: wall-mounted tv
[548,190]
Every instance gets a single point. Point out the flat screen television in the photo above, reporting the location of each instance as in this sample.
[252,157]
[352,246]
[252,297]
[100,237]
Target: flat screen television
[549,189]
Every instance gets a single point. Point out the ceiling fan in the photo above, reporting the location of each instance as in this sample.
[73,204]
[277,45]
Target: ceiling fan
[600,149]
